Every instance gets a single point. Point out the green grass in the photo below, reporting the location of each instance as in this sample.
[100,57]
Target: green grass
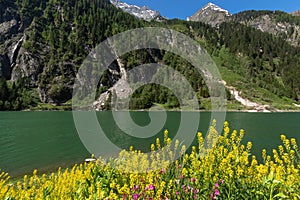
[52,107]
[253,92]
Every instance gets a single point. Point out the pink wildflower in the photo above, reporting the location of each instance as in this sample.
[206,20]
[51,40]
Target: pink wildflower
[135,196]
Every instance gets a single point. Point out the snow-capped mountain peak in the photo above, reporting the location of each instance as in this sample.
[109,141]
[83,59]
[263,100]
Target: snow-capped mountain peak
[210,14]
[140,12]
[215,7]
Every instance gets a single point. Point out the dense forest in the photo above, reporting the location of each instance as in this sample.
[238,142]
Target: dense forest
[62,33]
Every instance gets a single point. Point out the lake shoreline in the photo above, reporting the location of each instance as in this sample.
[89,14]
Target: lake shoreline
[172,110]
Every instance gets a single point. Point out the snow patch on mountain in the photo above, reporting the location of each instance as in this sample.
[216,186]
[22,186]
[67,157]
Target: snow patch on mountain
[140,12]
[215,8]
[207,10]
[210,14]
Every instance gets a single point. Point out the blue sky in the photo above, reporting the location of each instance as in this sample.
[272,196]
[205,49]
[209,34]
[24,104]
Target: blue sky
[184,8]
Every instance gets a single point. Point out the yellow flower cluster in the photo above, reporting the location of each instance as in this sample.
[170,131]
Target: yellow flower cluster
[220,168]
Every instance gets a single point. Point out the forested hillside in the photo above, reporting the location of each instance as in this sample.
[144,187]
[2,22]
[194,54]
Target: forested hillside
[57,36]
[43,43]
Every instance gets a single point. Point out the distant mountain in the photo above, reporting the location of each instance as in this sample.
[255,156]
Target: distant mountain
[140,12]
[295,13]
[210,14]
[278,23]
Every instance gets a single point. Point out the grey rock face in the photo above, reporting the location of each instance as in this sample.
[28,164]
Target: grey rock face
[8,28]
[27,65]
[10,34]
[15,61]
[267,23]
[295,13]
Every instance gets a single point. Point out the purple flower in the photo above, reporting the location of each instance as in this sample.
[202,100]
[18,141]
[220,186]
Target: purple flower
[177,193]
[163,170]
[124,196]
[183,186]
[193,179]
[222,181]
[136,187]
[135,196]
[217,185]
[151,187]
[216,193]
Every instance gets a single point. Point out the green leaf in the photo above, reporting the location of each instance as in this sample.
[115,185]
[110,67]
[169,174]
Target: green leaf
[281,195]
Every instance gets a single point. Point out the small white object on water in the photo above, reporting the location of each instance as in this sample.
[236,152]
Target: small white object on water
[90,160]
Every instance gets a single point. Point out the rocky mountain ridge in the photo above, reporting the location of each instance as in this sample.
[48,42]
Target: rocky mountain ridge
[295,13]
[140,12]
[278,23]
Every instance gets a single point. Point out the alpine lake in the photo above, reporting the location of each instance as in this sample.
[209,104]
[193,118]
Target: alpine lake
[46,140]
